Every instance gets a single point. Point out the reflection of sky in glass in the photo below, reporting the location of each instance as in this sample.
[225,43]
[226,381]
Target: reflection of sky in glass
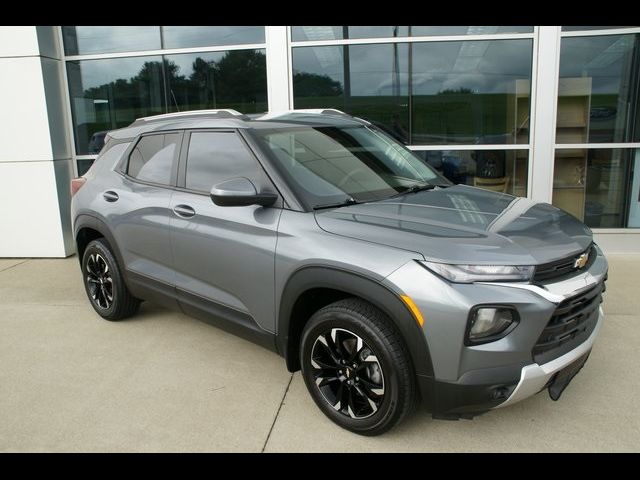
[110,39]
[197,36]
[604,58]
[481,66]
[102,39]
[99,72]
[313,33]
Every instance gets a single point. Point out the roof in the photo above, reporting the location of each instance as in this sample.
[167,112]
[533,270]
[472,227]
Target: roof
[227,118]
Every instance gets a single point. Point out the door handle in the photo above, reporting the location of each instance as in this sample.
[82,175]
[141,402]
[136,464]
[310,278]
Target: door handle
[110,196]
[184,211]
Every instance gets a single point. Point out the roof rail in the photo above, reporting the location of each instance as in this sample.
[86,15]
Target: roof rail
[324,111]
[315,111]
[221,113]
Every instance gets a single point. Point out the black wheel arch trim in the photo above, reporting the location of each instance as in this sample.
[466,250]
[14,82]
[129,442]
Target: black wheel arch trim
[353,284]
[85,220]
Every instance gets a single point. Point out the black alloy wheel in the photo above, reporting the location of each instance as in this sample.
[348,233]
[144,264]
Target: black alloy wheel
[104,283]
[347,373]
[99,281]
[356,367]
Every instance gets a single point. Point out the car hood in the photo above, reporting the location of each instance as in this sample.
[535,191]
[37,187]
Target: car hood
[463,224]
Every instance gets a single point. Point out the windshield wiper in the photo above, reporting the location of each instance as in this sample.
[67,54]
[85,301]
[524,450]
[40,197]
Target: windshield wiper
[419,187]
[344,203]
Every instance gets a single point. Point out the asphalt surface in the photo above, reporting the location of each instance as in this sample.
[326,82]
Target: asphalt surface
[70,381]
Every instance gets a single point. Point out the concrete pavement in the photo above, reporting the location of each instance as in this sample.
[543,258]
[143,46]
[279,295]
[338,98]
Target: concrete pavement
[70,381]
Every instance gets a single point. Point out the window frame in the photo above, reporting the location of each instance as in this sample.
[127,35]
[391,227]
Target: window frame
[123,166]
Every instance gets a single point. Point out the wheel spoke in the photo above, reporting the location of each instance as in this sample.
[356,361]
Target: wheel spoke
[320,364]
[371,403]
[92,267]
[322,381]
[373,388]
[338,404]
[347,373]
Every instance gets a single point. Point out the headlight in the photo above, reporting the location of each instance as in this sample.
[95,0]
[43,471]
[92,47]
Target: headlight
[480,273]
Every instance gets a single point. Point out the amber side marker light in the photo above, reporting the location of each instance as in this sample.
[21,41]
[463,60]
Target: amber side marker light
[414,309]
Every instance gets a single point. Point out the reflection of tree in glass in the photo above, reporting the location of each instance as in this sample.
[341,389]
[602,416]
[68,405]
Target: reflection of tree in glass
[453,91]
[314,85]
[238,80]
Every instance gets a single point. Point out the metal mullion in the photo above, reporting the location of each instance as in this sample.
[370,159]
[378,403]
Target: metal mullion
[591,33]
[167,51]
[574,146]
[67,99]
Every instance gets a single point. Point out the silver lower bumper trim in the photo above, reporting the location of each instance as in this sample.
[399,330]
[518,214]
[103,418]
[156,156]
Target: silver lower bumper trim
[534,377]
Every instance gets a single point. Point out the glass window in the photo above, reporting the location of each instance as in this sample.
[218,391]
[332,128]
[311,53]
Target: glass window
[598,89]
[457,92]
[471,92]
[315,33]
[111,93]
[84,165]
[594,185]
[214,157]
[102,39]
[233,79]
[328,164]
[153,158]
[368,81]
[196,36]
[504,171]
[574,28]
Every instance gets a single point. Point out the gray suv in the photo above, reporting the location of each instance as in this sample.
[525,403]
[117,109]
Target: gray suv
[320,237]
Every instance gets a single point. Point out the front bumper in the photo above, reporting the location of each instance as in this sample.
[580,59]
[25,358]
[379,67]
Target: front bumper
[469,380]
[534,378]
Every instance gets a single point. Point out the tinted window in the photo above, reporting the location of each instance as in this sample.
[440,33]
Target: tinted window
[153,157]
[217,156]
[598,89]
[311,33]
[201,36]
[111,93]
[233,79]
[426,93]
[82,40]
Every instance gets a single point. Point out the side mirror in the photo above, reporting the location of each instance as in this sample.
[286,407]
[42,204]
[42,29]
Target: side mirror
[240,192]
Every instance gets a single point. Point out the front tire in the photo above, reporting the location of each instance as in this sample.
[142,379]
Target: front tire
[356,367]
[104,283]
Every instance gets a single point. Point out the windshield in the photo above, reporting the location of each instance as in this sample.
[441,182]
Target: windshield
[329,164]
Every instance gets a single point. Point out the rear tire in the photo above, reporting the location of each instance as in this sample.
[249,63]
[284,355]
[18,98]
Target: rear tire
[357,368]
[104,283]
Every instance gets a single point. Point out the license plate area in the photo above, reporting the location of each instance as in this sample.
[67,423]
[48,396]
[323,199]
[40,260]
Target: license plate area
[561,379]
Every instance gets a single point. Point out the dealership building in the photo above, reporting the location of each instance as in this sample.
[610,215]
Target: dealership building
[545,112]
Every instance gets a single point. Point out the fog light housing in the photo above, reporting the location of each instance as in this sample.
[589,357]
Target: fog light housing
[488,323]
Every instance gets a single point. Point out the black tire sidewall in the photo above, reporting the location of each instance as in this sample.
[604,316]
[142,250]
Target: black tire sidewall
[324,321]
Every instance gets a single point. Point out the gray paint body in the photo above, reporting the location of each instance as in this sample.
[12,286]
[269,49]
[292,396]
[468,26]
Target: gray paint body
[243,257]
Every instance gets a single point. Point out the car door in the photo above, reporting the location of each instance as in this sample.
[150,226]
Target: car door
[140,213]
[224,257]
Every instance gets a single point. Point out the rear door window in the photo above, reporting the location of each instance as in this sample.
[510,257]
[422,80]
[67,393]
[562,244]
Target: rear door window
[154,157]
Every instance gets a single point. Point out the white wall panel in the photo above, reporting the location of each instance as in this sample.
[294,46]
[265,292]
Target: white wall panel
[24,126]
[30,223]
[18,41]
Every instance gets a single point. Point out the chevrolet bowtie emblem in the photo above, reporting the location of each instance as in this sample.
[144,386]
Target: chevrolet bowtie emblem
[581,261]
